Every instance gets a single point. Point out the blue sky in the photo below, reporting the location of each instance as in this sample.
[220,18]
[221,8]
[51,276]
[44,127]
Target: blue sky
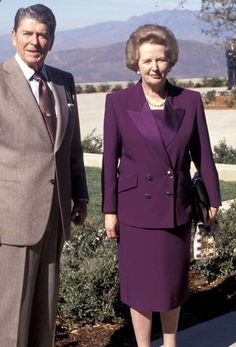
[72,14]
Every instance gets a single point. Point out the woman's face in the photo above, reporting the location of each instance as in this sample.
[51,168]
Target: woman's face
[153,64]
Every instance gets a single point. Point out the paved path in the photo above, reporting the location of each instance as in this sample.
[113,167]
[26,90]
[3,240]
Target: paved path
[218,332]
[221,123]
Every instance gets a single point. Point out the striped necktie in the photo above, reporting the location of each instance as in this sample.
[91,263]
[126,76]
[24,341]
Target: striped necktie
[46,105]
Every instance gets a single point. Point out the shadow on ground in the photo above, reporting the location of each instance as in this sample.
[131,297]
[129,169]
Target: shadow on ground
[200,307]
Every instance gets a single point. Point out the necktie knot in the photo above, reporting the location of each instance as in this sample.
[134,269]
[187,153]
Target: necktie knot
[38,76]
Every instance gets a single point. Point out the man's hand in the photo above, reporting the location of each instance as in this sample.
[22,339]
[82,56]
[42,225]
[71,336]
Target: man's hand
[79,212]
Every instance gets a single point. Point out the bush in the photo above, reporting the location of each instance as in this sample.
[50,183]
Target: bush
[210,96]
[103,88]
[130,83]
[89,88]
[225,264]
[213,82]
[224,154]
[78,89]
[92,143]
[233,92]
[89,291]
[173,81]
[229,103]
[117,87]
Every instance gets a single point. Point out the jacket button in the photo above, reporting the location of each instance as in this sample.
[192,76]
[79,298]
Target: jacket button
[169,194]
[149,177]
[147,196]
[52,181]
[169,174]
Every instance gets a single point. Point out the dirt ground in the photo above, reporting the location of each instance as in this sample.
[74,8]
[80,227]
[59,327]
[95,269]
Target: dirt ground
[220,102]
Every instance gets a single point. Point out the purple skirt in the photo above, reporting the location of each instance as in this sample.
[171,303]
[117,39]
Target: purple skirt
[154,267]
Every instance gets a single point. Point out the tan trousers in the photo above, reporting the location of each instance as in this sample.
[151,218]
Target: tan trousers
[29,281]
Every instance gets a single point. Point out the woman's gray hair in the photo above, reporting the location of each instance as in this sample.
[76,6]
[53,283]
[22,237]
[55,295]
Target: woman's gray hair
[151,33]
[40,13]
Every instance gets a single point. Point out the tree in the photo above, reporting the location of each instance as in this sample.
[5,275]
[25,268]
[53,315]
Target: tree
[221,17]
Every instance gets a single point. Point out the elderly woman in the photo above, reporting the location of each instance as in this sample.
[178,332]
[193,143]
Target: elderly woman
[152,131]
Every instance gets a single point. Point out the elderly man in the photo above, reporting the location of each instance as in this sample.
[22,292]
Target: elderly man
[41,171]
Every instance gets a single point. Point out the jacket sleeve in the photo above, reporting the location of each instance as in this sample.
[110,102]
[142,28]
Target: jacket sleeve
[78,177]
[111,154]
[202,156]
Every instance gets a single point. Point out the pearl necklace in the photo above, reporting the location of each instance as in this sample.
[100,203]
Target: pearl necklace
[156,105]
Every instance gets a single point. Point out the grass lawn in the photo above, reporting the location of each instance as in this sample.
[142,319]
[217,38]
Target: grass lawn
[228,191]
[95,195]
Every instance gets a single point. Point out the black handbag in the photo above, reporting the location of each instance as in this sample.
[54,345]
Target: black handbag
[201,202]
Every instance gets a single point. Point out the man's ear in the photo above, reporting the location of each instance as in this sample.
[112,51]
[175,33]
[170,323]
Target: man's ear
[51,42]
[13,37]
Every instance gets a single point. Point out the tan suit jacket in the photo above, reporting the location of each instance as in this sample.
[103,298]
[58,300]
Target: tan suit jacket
[29,165]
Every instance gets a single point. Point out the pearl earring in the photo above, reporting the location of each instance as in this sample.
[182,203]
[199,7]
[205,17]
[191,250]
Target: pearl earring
[138,72]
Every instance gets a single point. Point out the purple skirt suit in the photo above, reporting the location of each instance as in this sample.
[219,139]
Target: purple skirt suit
[147,183]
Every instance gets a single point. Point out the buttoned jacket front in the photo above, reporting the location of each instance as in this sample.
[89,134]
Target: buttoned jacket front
[29,164]
[147,180]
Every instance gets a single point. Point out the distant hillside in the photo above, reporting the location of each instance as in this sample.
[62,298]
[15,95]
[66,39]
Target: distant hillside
[96,53]
[184,24]
[108,63]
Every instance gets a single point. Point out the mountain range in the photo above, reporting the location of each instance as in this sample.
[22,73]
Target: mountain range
[96,53]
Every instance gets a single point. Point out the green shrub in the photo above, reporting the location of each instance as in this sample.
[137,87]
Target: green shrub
[233,92]
[78,89]
[89,291]
[223,93]
[210,96]
[103,88]
[89,88]
[173,81]
[225,264]
[213,82]
[117,87]
[229,103]
[224,154]
[130,83]
[184,84]
[92,143]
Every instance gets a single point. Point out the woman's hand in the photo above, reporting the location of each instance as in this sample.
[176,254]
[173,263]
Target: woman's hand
[111,225]
[212,213]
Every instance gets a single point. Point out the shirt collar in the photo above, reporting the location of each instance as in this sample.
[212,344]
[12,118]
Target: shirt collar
[28,71]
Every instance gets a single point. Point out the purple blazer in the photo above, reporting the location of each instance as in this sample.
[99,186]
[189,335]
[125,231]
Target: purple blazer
[146,182]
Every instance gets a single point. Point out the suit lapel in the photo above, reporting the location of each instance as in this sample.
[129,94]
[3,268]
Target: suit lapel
[142,117]
[171,122]
[62,112]
[61,102]
[22,92]
[146,124]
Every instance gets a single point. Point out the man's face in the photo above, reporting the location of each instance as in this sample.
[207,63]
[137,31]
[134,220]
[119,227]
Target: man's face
[32,41]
